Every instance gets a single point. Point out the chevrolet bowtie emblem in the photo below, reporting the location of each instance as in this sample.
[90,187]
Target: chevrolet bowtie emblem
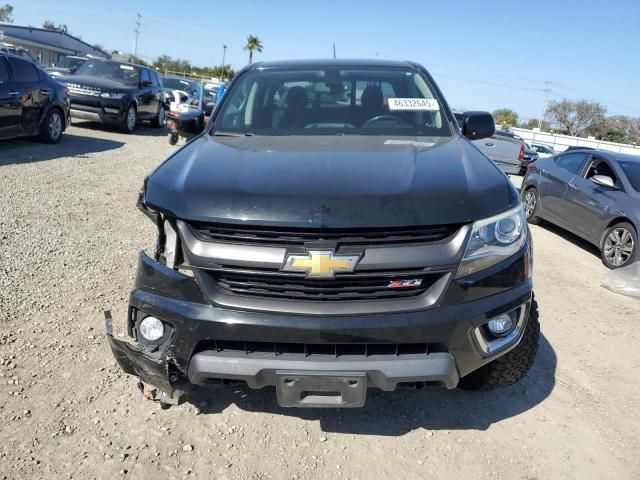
[321,263]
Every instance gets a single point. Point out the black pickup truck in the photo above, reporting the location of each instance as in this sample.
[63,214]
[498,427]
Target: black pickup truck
[332,229]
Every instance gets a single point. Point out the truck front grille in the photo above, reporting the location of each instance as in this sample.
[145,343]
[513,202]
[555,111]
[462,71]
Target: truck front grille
[318,351]
[257,235]
[75,89]
[376,286]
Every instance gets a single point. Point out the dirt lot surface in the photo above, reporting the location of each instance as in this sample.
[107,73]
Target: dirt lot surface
[69,235]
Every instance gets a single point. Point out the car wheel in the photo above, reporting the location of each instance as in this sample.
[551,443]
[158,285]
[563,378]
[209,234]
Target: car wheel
[52,127]
[130,119]
[161,118]
[619,245]
[173,138]
[530,206]
[511,367]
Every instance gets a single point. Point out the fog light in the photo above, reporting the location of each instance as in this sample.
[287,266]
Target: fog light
[151,329]
[500,325]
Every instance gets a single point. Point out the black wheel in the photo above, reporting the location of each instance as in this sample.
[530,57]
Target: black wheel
[512,366]
[161,118]
[173,138]
[619,245]
[130,119]
[52,127]
[530,200]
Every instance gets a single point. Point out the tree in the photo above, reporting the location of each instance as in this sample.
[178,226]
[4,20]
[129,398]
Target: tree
[617,128]
[6,13]
[576,117]
[505,116]
[253,44]
[223,72]
[51,25]
[533,123]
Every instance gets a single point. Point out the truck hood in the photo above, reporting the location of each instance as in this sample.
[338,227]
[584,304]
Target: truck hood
[95,82]
[330,181]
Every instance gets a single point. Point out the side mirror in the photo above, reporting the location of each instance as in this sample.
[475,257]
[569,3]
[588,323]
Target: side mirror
[147,83]
[603,181]
[477,125]
[190,124]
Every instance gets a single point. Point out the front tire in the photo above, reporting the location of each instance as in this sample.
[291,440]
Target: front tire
[161,118]
[511,367]
[619,245]
[130,120]
[52,127]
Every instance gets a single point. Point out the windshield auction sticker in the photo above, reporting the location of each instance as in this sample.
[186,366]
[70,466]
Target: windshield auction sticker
[413,104]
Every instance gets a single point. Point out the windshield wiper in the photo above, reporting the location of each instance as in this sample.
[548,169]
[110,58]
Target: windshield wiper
[233,134]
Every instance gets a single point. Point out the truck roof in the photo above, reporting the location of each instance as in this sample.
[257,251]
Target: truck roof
[332,62]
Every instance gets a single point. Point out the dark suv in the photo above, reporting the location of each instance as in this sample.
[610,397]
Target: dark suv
[332,229]
[31,102]
[116,93]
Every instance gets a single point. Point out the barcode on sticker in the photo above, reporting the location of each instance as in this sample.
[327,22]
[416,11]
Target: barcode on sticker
[414,104]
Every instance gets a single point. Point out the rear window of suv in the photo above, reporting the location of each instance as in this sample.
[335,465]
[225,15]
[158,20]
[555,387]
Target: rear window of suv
[332,101]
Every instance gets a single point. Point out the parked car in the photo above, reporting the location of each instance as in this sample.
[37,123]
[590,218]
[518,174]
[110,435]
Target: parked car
[507,152]
[116,93]
[594,194]
[326,246]
[17,51]
[578,147]
[543,151]
[66,66]
[529,156]
[31,102]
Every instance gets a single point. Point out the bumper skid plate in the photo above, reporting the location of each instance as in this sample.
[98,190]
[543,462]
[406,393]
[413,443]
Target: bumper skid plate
[326,389]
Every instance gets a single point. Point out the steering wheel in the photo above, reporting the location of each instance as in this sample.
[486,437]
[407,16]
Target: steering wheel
[378,118]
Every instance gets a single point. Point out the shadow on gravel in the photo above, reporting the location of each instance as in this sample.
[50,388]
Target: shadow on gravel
[570,237]
[21,151]
[397,413]
[142,129]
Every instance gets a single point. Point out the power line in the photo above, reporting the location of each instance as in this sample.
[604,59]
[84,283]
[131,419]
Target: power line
[484,82]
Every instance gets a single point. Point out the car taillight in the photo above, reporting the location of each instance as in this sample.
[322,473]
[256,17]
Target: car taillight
[521,155]
[531,167]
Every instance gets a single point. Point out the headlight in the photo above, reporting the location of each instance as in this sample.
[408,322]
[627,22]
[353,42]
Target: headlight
[112,95]
[493,240]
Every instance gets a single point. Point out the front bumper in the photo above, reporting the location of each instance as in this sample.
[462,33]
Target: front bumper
[98,109]
[206,341]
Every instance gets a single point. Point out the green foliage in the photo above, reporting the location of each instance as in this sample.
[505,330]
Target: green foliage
[167,64]
[51,25]
[6,13]
[576,117]
[533,123]
[253,45]
[505,116]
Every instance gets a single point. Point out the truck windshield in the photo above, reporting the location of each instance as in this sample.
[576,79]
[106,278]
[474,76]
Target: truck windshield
[332,101]
[117,72]
[70,62]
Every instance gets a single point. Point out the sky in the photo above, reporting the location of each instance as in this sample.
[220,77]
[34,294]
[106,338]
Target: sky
[483,55]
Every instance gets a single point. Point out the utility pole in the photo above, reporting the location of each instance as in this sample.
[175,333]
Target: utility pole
[546,91]
[137,32]
[334,50]
[224,54]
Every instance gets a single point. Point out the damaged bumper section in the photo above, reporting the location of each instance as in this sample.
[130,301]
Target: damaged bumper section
[313,361]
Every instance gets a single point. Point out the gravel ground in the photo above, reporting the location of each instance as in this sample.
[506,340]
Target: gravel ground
[69,235]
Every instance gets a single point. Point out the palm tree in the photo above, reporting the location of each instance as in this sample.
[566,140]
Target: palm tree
[253,43]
